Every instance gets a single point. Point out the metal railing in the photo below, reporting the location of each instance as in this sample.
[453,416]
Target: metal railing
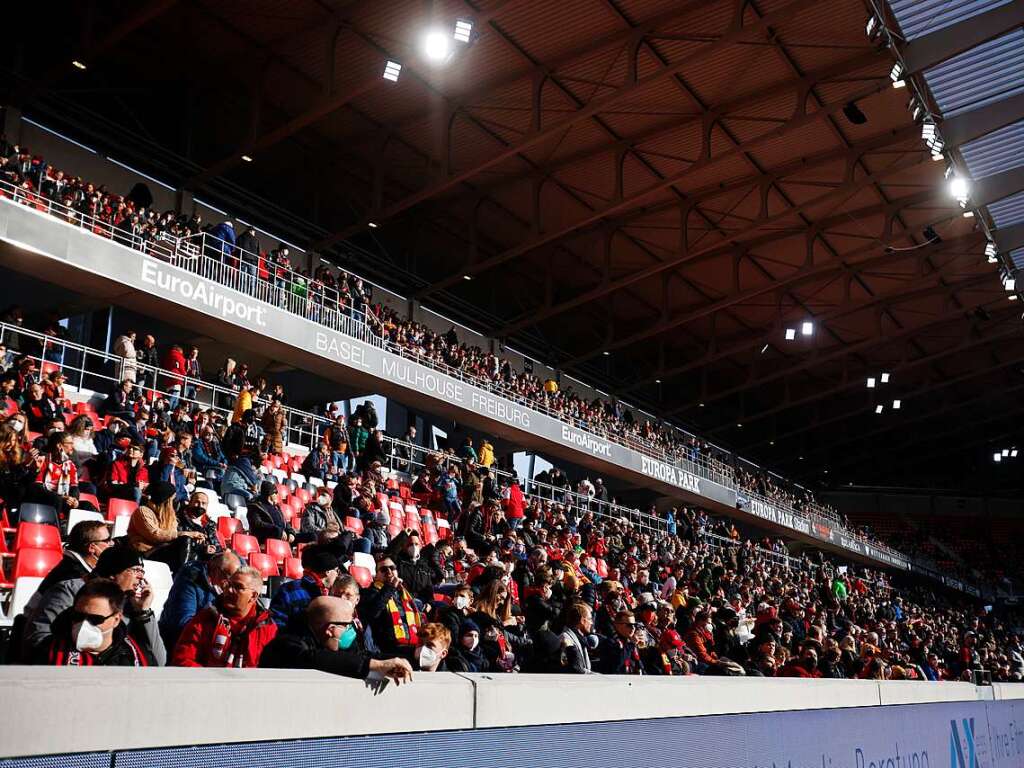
[92,369]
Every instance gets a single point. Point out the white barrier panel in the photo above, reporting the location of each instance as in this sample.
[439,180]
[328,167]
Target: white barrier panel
[908,692]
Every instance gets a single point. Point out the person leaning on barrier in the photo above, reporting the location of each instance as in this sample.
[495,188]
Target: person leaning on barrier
[328,641]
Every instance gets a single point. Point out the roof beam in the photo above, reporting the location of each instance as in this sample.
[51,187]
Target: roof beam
[931,49]
[732,35]
[968,126]
[993,188]
[1010,238]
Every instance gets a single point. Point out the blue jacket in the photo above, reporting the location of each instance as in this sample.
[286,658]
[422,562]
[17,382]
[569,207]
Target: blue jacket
[190,593]
[204,459]
[291,600]
[171,474]
[235,481]
[227,234]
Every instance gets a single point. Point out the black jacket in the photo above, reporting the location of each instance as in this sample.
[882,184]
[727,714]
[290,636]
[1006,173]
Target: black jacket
[298,649]
[70,567]
[417,575]
[266,521]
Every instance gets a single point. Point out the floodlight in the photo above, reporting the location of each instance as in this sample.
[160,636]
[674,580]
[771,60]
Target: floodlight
[790,334]
[896,404]
[871,382]
[959,188]
[807,328]
[896,75]
[885,378]
[997,456]
[463,30]
[392,70]
[879,408]
[77,64]
[436,45]
[1013,453]
[1006,451]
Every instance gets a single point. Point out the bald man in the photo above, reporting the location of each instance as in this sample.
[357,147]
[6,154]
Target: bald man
[330,640]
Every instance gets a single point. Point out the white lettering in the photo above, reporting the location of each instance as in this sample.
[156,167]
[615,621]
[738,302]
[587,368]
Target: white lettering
[419,378]
[342,349]
[500,409]
[201,292]
[587,442]
[666,473]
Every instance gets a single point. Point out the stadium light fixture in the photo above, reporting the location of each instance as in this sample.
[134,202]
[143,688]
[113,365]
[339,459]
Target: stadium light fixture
[871,382]
[463,30]
[991,253]
[764,349]
[807,328]
[470,277]
[959,188]
[790,334]
[657,381]
[700,405]
[77,64]
[372,224]
[392,71]
[896,404]
[896,75]
[1006,452]
[879,408]
[997,456]
[247,158]
[885,378]
[1009,283]
[873,27]
[1013,453]
[437,46]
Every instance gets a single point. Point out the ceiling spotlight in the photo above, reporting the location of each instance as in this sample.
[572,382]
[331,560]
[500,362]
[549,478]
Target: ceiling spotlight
[606,353]
[896,75]
[873,26]
[700,405]
[739,426]
[657,381]
[392,70]
[790,334]
[1009,283]
[437,46]
[959,188]
[247,158]
[896,404]
[807,328]
[463,30]
[885,378]
[871,382]
[1012,297]
[771,442]
[371,224]
[764,349]
[470,277]
[1013,453]
[997,456]
[879,408]
[1006,451]
[77,64]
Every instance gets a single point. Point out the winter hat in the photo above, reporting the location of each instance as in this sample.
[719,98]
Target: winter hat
[115,560]
[319,559]
[160,492]
[267,489]
[468,626]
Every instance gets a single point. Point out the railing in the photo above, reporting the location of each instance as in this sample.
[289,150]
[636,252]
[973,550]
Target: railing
[87,368]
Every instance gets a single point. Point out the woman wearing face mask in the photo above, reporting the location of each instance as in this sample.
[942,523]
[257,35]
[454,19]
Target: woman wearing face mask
[92,632]
[451,615]
[465,655]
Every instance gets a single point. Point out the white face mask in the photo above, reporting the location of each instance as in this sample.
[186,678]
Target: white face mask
[325,502]
[462,602]
[709,627]
[427,657]
[17,426]
[470,644]
[87,637]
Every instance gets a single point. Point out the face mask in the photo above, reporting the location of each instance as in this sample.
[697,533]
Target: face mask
[470,643]
[17,426]
[325,502]
[427,657]
[347,638]
[414,552]
[709,627]
[87,637]
[462,602]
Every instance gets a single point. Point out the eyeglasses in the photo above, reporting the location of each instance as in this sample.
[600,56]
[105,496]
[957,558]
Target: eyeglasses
[340,623]
[238,586]
[100,541]
[93,618]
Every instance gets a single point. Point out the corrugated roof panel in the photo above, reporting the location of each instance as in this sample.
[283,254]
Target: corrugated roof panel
[1017,258]
[986,73]
[995,152]
[920,17]
[1008,211]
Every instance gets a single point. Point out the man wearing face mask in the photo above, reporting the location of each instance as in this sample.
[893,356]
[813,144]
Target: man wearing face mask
[435,639]
[318,514]
[192,517]
[320,568]
[452,615]
[414,571]
[327,640]
[92,632]
[120,565]
[196,586]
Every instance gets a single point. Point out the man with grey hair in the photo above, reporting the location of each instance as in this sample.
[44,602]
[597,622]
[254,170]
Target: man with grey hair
[196,586]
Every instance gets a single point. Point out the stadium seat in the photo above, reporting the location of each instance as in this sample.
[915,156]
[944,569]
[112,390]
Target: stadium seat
[316,482]
[287,512]
[365,560]
[32,512]
[293,568]
[76,516]
[37,536]
[283,491]
[265,564]
[362,576]
[160,579]
[298,478]
[303,495]
[244,544]
[120,526]
[234,500]
[32,562]
[280,475]
[355,525]
[24,588]
[444,530]
[120,507]
[278,549]
[429,534]
[228,526]
[90,498]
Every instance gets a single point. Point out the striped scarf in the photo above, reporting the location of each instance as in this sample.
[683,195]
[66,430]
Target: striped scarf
[405,618]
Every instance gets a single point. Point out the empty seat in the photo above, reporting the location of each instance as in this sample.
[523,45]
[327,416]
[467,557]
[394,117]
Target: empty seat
[228,526]
[31,512]
[76,516]
[244,544]
[362,576]
[32,562]
[89,498]
[278,549]
[234,500]
[283,491]
[158,574]
[37,536]
[316,482]
[265,564]
[365,560]
[120,507]
[24,588]
[292,568]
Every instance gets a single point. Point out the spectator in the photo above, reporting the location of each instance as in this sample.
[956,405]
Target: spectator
[207,457]
[619,655]
[320,569]
[194,373]
[318,515]
[414,572]
[57,480]
[486,454]
[39,407]
[265,518]
[153,529]
[240,478]
[170,469]
[223,242]
[576,639]
[327,640]
[230,632]
[124,347]
[274,426]
[466,655]
[126,476]
[193,517]
[147,356]
[435,640]
[174,362]
[195,588]
[390,612]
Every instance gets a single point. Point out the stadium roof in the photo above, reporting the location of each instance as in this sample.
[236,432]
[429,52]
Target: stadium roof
[647,194]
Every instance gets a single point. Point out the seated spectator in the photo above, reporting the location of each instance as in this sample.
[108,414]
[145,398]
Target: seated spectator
[17,466]
[390,612]
[192,517]
[195,588]
[230,632]
[435,640]
[320,569]
[265,518]
[119,402]
[57,480]
[326,639]
[207,456]
[465,656]
[8,404]
[153,529]
[415,572]
[318,515]
[127,476]
[240,477]
[322,463]
[619,655]
[124,568]
[170,469]
[576,640]
[86,542]
[93,632]
[39,408]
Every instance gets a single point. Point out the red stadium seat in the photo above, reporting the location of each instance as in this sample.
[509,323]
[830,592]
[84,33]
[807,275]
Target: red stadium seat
[355,525]
[429,534]
[91,498]
[404,491]
[361,575]
[118,507]
[35,562]
[282,492]
[278,549]
[303,495]
[286,512]
[293,568]
[49,367]
[37,536]
[265,564]
[243,544]
[228,526]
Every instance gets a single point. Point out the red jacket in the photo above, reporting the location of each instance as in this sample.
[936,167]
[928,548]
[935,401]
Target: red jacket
[514,505]
[702,644]
[119,473]
[247,638]
[174,361]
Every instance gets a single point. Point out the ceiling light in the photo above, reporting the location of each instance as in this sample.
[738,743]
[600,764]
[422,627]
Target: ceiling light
[968,214]
[790,334]
[873,26]
[392,70]
[246,158]
[959,188]
[1013,453]
[807,328]
[771,442]
[739,426]
[1012,297]
[997,456]
[437,46]
[463,29]
[700,405]
[1006,451]
[606,353]
[1009,283]
[896,404]
[879,408]
[896,75]
[371,224]
[657,381]
[470,277]
[885,378]
[77,64]
[871,382]
[764,349]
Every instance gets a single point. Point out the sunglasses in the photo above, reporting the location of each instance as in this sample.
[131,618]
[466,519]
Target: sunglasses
[386,568]
[93,618]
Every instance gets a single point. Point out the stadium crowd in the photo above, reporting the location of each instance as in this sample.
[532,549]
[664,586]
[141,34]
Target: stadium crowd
[492,579]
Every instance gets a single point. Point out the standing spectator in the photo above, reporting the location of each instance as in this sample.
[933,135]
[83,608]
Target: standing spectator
[194,372]
[449,485]
[223,243]
[357,436]
[147,356]
[466,451]
[230,632]
[175,362]
[124,347]
[274,424]
[248,258]
[228,379]
[515,504]
[486,453]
